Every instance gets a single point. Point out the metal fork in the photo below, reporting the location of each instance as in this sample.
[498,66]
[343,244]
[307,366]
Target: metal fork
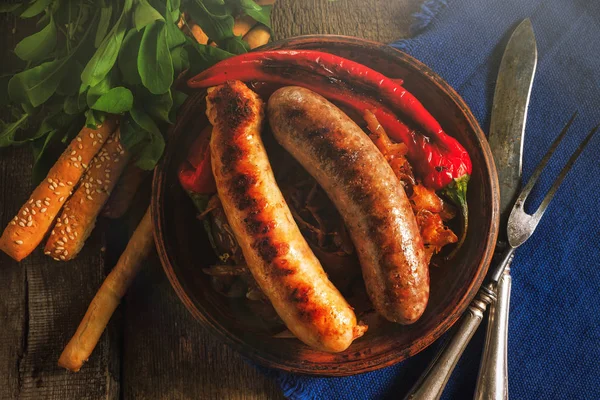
[520,227]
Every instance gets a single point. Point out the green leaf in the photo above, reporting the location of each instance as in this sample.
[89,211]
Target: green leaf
[203,56]
[175,37]
[93,118]
[159,105]
[128,57]
[144,14]
[6,8]
[235,45]
[75,104]
[38,45]
[38,84]
[154,59]
[98,90]
[35,8]
[180,59]
[69,84]
[7,136]
[104,58]
[217,23]
[141,136]
[115,101]
[261,14]
[178,99]
[105,15]
[4,99]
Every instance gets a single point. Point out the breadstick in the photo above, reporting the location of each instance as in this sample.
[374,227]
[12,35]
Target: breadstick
[258,36]
[30,225]
[78,217]
[124,192]
[243,25]
[108,297]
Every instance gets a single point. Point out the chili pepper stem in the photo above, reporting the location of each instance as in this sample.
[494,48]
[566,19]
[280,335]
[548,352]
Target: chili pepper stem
[457,192]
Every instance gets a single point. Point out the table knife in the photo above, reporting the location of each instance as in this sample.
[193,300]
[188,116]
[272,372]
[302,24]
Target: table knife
[520,57]
[507,130]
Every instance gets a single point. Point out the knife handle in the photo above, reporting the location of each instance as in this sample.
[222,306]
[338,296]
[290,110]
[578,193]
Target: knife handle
[432,383]
[492,382]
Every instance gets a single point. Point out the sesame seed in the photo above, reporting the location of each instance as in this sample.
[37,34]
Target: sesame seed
[66,252]
[47,198]
[106,187]
[60,242]
[24,212]
[29,218]
[47,253]
[58,250]
[19,242]
[80,146]
[21,224]
[98,190]
[84,165]
[91,135]
[122,152]
[62,258]
[116,160]
[55,259]
[64,239]
[52,233]
[68,229]
[89,198]
[109,141]
[33,212]
[61,199]
[99,136]
[61,184]
[71,237]
[50,180]
[58,219]
[98,165]
[62,231]
[58,225]
[75,233]
[78,139]
[57,193]
[43,210]
[81,201]
[38,202]
[47,203]
[76,165]
[107,176]
[29,223]
[102,158]
[13,223]
[94,143]
[87,191]
[79,158]
[50,187]
[69,183]
[30,201]
[73,152]
[67,220]
[99,181]
[73,158]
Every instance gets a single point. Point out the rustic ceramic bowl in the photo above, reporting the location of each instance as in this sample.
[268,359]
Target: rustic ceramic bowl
[184,249]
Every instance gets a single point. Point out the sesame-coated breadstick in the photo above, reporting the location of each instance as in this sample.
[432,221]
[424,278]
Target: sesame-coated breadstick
[78,217]
[30,225]
[123,194]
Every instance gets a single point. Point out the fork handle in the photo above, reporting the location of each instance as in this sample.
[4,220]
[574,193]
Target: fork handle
[432,383]
[492,382]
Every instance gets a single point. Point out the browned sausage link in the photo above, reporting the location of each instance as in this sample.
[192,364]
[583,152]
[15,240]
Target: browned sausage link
[277,254]
[363,187]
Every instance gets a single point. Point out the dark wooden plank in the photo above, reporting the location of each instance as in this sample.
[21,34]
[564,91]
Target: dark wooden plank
[166,353]
[380,20]
[42,301]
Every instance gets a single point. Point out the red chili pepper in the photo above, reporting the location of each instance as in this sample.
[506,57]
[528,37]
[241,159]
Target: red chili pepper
[195,173]
[439,159]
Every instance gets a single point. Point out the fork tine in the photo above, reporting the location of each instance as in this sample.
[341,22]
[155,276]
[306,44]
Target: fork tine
[540,168]
[544,204]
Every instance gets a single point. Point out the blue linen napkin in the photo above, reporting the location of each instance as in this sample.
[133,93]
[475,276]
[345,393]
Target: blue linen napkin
[554,337]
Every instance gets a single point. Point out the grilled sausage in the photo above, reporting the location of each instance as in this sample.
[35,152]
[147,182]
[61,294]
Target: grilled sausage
[363,187]
[276,252]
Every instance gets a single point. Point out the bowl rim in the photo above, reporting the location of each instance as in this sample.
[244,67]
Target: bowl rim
[351,367]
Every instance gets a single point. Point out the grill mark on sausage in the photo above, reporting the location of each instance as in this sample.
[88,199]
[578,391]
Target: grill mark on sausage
[300,296]
[233,110]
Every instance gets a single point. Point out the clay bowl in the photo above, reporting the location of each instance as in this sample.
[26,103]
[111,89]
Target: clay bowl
[184,248]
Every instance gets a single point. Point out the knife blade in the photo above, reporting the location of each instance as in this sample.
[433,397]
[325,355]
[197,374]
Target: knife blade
[507,130]
[509,111]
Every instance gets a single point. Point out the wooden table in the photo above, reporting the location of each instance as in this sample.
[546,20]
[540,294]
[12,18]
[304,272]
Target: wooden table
[153,348]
